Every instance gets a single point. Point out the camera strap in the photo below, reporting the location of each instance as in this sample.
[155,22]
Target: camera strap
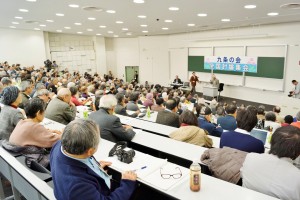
[118,146]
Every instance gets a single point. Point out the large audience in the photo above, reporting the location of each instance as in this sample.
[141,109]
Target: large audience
[28,95]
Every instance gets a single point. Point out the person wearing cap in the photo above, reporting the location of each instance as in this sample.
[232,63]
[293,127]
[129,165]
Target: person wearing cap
[10,115]
[204,121]
[228,122]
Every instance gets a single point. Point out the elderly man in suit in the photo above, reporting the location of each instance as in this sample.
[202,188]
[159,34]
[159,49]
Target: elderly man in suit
[61,109]
[110,126]
[26,89]
[168,116]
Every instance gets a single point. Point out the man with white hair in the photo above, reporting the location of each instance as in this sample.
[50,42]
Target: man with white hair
[26,88]
[110,126]
[61,109]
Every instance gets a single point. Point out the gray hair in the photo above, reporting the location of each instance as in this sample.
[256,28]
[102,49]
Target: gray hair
[42,92]
[71,84]
[108,101]
[79,136]
[298,116]
[6,81]
[63,92]
[24,85]
[40,86]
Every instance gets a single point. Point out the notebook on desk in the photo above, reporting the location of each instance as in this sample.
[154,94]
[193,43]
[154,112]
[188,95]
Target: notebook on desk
[259,134]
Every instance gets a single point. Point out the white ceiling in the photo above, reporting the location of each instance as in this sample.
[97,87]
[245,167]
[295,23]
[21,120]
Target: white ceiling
[156,12]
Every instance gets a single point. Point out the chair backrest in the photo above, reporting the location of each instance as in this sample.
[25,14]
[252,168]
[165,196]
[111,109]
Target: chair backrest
[221,85]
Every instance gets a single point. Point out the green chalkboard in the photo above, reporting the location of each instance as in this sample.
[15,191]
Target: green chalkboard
[269,67]
[196,64]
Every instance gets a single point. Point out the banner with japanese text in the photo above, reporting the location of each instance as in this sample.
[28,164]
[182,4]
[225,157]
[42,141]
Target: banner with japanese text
[231,63]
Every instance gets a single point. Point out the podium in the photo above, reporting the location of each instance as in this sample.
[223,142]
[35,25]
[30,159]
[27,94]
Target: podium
[210,91]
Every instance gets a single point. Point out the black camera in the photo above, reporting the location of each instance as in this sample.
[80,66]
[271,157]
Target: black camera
[123,153]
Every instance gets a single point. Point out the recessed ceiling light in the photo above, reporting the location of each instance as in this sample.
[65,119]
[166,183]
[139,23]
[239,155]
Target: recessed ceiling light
[110,32]
[125,29]
[49,20]
[89,29]
[165,28]
[98,34]
[15,23]
[142,16]
[138,1]
[67,27]
[272,14]
[225,20]
[144,25]
[18,17]
[42,25]
[74,6]
[79,32]
[128,33]
[31,0]
[168,21]
[12,27]
[102,26]
[145,31]
[37,29]
[173,8]
[116,36]
[250,6]
[202,15]
[60,14]
[59,31]
[111,11]
[23,10]
[77,23]
[92,18]
[191,24]
[119,22]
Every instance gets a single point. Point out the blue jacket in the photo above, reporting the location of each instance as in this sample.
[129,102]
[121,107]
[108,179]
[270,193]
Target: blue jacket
[241,142]
[211,128]
[227,122]
[74,180]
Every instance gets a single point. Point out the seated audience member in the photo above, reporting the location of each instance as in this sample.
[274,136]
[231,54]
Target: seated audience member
[220,112]
[6,82]
[204,122]
[149,100]
[110,126]
[228,122]
[168,116]
[190,132]
[260,117]
[26,89]
[159,105]
[279,119]
[297,123]
[74,98]
[98,95]
[10,115]
[1,88]
[61,109]
[287,120]
[75,172]
[274,173]
[43,94]
[52,86]
[121,106]
[132,104]
[240,138]
[270,123]
[29,132]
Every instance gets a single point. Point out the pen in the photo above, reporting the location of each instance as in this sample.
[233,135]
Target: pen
[140,168]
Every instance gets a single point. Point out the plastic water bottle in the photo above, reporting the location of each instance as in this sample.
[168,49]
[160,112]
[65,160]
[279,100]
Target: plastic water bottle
[85,113]
[148,112]
[195,176]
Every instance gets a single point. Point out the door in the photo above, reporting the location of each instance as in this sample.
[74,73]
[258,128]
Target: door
[130,71]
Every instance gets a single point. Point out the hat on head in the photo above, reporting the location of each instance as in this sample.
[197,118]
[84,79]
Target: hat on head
[205,111]
[10,94]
